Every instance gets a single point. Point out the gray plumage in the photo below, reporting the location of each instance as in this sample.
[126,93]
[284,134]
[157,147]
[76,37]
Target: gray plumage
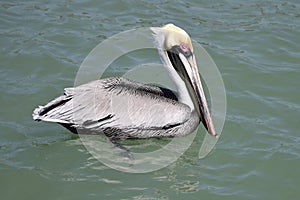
[120,109]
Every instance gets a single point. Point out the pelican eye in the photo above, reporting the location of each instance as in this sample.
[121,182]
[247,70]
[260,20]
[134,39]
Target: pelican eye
[185,50]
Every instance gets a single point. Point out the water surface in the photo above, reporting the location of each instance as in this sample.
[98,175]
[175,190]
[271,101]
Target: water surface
[256,47]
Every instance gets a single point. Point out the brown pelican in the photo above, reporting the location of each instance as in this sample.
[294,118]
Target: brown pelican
[121,108]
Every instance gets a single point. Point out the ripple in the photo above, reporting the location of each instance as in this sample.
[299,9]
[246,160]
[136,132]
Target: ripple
[256,47]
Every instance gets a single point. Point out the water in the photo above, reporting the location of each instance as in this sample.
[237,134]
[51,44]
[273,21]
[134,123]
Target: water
[256,47]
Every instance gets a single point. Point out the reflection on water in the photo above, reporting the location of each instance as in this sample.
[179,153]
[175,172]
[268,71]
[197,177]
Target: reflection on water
[121,157]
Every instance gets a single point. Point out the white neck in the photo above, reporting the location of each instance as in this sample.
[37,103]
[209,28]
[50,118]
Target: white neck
[182,91]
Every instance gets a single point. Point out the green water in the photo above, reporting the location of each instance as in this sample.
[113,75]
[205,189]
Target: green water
[256,47]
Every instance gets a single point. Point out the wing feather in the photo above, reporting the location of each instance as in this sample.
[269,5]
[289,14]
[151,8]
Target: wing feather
[115,104]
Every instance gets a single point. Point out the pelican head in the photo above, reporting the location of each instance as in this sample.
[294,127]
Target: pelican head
[176,52]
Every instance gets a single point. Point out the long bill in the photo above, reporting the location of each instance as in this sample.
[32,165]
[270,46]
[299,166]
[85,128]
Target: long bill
[193,82]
